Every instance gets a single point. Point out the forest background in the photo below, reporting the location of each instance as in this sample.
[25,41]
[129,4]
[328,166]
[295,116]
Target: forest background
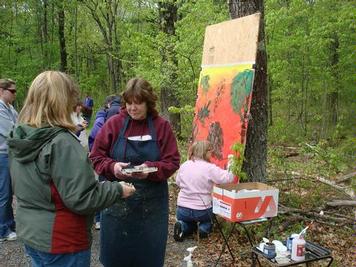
[311,69]
[310,46]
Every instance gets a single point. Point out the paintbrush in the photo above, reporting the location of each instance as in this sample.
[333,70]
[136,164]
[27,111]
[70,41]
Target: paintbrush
[305,229]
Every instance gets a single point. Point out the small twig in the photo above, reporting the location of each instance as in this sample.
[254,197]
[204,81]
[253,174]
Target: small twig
[323,218]
[338,203]
[345,178]
[346,190]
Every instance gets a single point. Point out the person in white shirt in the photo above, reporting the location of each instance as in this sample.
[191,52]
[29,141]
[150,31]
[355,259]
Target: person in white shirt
[81,124]
[196,178]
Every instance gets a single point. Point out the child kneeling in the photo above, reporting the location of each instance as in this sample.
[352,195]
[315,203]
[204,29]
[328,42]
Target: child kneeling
[196,178]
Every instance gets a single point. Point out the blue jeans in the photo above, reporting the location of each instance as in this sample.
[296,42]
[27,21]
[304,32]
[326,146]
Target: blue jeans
[97,214]
[7,223]
[190,217]
[97,217]
[44,259]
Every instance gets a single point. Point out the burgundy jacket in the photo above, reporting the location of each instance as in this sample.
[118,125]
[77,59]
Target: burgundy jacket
[105,140]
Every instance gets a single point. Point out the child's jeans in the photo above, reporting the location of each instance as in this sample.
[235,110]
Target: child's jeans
[190,217]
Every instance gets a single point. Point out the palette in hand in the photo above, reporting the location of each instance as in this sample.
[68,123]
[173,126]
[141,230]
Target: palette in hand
[139,169]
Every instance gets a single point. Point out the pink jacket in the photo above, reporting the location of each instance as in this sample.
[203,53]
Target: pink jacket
[196,180]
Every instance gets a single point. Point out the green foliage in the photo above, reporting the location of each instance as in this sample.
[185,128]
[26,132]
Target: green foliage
[311,60]
[332,160]
[187,116]
[311,67]
[236,161]
[195,16]
[183,150]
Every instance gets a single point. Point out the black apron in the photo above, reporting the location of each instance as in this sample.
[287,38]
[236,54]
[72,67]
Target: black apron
[134,231]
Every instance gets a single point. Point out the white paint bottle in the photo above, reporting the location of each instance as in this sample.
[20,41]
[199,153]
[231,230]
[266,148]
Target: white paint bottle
[298,248]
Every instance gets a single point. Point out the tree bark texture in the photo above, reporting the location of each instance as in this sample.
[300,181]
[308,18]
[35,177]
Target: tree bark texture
[334,95]
[44,34]
[256,147]
[62,40]
[169,66]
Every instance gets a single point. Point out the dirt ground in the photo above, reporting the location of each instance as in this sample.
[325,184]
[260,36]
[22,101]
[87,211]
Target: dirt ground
[12,252]
[207,252]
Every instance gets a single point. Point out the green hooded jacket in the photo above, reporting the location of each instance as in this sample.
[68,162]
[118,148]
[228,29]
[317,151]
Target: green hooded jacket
[56,190]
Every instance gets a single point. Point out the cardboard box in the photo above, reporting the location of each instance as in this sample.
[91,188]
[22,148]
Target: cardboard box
[245,201]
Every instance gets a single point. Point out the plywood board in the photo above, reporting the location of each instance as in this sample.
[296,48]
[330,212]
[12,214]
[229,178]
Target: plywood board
[231,42]
[222,108]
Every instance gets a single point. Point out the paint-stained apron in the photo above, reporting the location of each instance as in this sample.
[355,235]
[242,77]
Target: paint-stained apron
[134,231]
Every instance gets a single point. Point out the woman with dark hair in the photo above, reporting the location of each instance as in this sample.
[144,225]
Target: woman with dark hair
[134,232]
[8,117]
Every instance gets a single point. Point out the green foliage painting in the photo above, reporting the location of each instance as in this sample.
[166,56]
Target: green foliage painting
[205,83]
[240,90]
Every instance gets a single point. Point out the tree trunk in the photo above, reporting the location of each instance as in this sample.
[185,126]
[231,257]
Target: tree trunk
[333,96]
[105,17]
[45,32]
[62,40]
[256,146]
[269,93]
[76,62]
[168,18]
[43,25]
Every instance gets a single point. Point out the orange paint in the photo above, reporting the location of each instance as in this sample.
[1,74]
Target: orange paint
[221,92]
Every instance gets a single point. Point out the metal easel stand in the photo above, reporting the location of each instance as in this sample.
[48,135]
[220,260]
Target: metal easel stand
[254,258]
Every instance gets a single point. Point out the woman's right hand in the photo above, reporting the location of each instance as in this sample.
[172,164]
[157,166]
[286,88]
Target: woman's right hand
[84,124]
[127,189]
[118,170]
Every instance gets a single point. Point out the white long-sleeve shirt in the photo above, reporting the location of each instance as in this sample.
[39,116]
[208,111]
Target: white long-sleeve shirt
[78,120]
[196,180]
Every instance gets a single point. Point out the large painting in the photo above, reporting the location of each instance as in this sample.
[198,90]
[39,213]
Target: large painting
[225,85]
[222,108]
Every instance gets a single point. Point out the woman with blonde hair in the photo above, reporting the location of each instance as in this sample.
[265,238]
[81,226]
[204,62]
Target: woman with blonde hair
[196,178]
[53,181]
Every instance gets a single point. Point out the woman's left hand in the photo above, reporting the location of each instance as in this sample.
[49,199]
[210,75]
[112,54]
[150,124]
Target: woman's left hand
[141,175]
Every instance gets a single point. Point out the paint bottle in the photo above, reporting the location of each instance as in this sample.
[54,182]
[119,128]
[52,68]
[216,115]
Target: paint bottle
[298,248]
[289,241]
[269,250]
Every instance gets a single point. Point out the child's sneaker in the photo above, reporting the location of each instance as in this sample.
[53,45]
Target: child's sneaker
[10,237]
[203,235]
[97,226]
[178,232]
